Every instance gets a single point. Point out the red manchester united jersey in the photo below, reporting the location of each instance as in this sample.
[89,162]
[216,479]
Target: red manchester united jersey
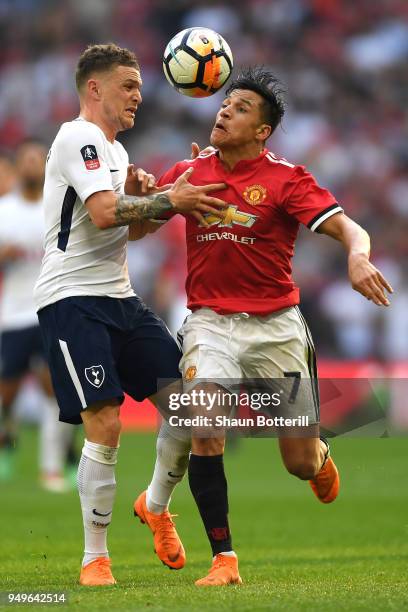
[243,262]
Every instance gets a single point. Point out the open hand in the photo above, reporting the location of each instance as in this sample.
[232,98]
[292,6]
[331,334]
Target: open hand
[193,199]
[367,280]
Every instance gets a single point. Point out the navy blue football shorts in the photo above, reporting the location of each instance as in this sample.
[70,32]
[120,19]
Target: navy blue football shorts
[20,349]
[100,347]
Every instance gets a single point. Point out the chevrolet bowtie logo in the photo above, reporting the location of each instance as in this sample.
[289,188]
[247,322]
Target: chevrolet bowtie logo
[232,216]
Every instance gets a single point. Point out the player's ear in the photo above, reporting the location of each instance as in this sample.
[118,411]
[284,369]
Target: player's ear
[94,89]
[263,132]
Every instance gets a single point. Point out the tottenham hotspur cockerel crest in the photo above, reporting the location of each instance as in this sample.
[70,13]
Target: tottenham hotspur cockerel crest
[95,375]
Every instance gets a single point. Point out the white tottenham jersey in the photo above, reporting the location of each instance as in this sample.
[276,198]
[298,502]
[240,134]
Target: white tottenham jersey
[21,225]
[79,258]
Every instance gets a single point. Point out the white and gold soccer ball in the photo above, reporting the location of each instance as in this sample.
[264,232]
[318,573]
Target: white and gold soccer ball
[197,62]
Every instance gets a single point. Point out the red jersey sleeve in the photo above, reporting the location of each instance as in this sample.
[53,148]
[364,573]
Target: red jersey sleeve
[171,175]
[304,199]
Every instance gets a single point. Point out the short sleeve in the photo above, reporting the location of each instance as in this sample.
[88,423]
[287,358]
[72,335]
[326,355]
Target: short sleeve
[80,152]
[304,199]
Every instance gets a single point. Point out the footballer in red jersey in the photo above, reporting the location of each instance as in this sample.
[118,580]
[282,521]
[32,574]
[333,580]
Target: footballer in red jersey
[245,321]
[268,198]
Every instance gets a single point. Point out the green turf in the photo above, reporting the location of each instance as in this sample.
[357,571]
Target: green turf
[295,553]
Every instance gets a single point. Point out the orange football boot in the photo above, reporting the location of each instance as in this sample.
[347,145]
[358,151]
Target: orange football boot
[326,483]
[224,571]
[97,573]
[167,544]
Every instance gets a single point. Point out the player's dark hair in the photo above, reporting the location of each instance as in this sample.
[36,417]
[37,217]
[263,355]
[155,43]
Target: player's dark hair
[100,58]
[265,84]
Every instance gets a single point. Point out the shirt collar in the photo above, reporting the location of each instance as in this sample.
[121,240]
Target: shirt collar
[243,163]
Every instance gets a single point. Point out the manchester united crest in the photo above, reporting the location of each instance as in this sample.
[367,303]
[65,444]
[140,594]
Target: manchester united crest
[254,194]
[190,373]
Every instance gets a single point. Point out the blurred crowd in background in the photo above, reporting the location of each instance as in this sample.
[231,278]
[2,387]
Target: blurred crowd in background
[344,66]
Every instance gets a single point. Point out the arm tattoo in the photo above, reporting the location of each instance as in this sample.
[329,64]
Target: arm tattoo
[132,208]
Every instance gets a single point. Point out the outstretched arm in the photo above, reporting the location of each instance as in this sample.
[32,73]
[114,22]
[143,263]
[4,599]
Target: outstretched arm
[108,209]
[364,277]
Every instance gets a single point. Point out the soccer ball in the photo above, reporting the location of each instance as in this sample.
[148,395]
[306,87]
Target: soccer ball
[197,62]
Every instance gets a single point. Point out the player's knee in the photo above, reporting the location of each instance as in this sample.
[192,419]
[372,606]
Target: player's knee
[304,468]
[106,427]
[207,446]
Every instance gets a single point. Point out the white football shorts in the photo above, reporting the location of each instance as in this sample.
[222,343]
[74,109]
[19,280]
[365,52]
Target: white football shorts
[278,349]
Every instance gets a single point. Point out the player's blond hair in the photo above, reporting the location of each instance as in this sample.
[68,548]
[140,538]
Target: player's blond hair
[101,58]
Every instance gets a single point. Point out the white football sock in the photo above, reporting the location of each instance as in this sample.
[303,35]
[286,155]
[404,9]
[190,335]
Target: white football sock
[97,487]
[173,448]
[54,438]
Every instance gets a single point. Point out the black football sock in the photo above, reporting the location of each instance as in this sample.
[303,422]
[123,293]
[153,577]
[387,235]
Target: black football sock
[209,488]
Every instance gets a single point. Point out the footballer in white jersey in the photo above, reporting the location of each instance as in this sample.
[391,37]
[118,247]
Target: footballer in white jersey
[93,324]
[80,259]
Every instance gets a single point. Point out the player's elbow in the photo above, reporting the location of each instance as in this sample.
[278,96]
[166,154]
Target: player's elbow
[101,208]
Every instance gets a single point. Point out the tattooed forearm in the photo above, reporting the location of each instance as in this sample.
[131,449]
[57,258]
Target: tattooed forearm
[132,208]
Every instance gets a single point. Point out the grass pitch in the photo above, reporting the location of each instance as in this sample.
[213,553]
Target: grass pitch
[295,553]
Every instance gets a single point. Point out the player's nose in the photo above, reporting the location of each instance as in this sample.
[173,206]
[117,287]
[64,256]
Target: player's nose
[137,97]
